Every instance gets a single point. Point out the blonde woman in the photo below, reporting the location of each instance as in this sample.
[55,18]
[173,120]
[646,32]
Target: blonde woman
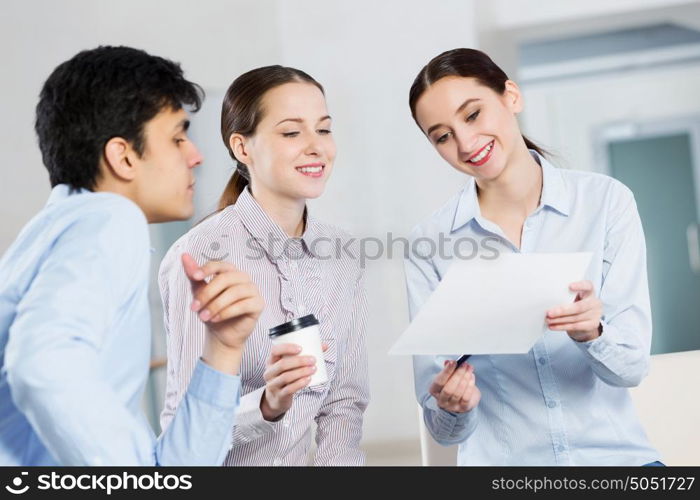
[277,129]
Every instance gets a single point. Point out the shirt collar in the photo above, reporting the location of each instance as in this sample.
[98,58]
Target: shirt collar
[271,237]
[467,206]
[61,192]
[554,194]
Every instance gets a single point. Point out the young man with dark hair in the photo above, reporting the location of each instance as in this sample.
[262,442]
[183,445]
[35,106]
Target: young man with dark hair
[74,317]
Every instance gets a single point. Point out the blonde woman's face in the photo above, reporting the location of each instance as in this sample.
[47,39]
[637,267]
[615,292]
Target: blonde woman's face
[292,151]
[472,127]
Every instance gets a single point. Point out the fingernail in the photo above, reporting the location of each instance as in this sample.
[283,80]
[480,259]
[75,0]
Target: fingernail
[310,359]
[216,318]
[198,275]
[204,315]
[445,363]
[196,305]
[297,348]
[313,368]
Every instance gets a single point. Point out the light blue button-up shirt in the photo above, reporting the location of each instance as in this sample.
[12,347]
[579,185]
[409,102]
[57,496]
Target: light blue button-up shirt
[564,402]
[75,346]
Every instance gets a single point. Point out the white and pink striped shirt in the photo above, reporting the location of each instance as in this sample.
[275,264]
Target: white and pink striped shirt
[295,279]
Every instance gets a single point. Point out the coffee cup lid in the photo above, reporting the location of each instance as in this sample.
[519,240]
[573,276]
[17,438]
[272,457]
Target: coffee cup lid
[294,325]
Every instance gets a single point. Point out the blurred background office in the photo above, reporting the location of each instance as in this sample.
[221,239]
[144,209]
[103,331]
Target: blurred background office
[610,87]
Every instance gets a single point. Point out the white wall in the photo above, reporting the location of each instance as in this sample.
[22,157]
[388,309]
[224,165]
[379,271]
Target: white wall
[517,14]
[668,407]
[503,24]
[214,41]
[566,114]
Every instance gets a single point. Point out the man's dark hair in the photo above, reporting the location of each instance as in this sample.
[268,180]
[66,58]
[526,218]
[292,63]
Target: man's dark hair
[100,94]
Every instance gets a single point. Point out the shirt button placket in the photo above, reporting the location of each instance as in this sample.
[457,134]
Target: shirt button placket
[527,235]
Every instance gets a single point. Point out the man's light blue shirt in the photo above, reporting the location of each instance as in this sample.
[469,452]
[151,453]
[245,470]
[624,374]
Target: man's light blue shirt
[75,346]
[564,402]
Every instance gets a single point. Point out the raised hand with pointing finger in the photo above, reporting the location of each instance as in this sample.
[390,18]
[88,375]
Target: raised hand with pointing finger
[229,303]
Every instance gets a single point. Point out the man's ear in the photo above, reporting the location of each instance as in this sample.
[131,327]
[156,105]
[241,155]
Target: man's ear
[513,96]
[239,145]
[118,156]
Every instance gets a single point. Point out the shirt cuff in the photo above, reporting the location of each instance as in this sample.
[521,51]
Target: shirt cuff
[602,347]
[214,387]
[250,423]
[452,425]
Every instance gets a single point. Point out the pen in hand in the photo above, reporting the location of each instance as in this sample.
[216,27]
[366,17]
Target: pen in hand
[462,359]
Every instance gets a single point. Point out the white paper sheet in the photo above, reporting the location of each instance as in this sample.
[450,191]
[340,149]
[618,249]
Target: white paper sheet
[493,306]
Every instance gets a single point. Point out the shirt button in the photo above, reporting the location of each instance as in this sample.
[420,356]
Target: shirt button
[293,266]
[560,448]
[541,361]
[285,424]
[552,404]
[277,462]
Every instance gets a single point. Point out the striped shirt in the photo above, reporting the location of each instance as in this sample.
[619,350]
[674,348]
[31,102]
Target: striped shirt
[296,277]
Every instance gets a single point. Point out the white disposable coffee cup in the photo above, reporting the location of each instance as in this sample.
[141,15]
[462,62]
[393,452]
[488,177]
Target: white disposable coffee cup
[304,332]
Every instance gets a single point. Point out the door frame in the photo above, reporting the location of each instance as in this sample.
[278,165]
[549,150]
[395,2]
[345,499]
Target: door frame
[635,129]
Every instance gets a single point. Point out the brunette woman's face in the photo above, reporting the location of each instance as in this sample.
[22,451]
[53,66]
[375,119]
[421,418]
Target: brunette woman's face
[292,151]
[472,127]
